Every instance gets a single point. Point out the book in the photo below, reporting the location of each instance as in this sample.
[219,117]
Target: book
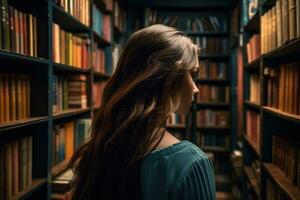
[212,118]
[211,93]
[253,128]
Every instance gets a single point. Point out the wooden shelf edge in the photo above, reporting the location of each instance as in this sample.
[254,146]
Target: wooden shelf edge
[252,22]
[102,75]
[59,168]
[69,112]
[100,40]
[64,67]
[22,123]
[22,57]
[255,64]
[36,184]
[252,104]
[277,52]
[282,181]
[70,17]
[282,114]
[252,179]
[250,143]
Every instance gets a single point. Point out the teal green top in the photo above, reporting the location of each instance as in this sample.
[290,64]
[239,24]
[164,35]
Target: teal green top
[179,172]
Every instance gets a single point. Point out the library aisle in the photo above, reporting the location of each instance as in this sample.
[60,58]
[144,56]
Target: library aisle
[56,57]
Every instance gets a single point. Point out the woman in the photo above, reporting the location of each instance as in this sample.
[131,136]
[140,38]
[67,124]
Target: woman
[131,155]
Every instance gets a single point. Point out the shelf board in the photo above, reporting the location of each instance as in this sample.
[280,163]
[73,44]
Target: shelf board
[214,149]
[59,168]
[68,68]
[70,112]
[213,80]
[252,179]
[20,58]
[252,105]
[250,143]
[206,33]
[22,123]
[96,107]
[100,40]
[100,5]
[214,56]
[254,65]
[268,4]
[176,126]
[282,114]
[282,181]
[253,23]
[101,75]
[213,104]
[287,52]
[118,32]
[36,184]
[67,21]
[221,128]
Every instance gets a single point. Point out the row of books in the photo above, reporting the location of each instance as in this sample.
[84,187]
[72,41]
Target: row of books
[14,97]
[18,31]
[98,88]
[211,45]
[213,140]
[80,9]
[274,192]
[214,70]
[119,17]
[280,24]
[209,93]
[102,24]
[286,156]
[98,59]
[253,128]
[68,137]
[203,23]
[254,95]
[69,49]
[283,87]
[253,48]
[15,166]
[176,119]
[208,118]
[69,92]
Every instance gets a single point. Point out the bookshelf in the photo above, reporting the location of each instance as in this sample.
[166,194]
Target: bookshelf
[277,25]
[41,121]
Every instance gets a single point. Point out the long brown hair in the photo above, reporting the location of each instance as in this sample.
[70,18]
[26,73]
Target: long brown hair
[141,94]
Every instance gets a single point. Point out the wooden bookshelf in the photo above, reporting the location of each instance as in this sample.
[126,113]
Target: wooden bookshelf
[22,59]
[282,114]
[282,181]
[100,40]
[22,123]
[70,69]
[271,119]
[101,75]
[67,21]
[252,179]
[70,112]
[253,147]
[254,65]
[213,57]
[36,184]
[253,105]
[212,104]
[57,169]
